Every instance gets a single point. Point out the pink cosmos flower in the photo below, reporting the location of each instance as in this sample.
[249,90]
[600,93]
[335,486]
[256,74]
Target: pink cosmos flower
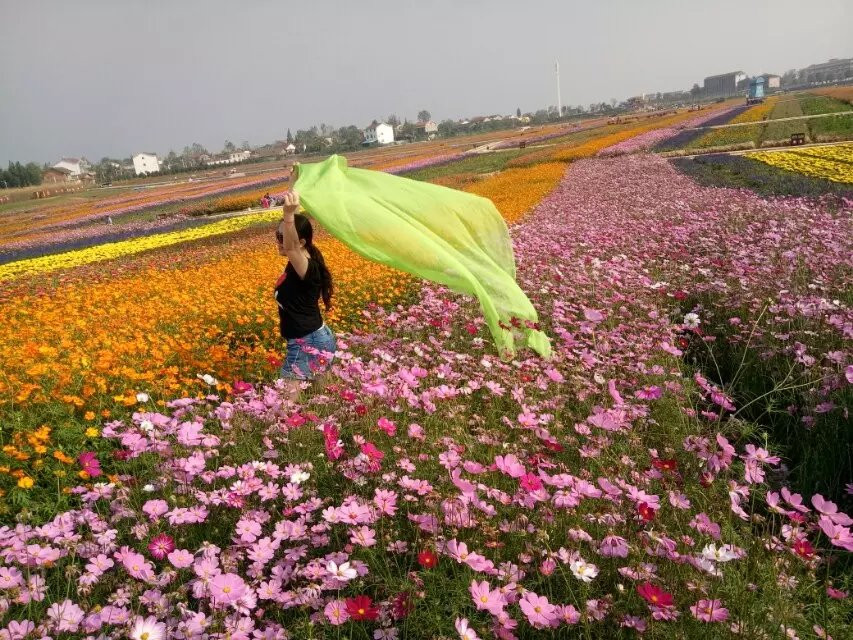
[227,588]
[147,629]
[387,426]
[485,598]
[539,612]
[465,632]
[836,594]
[155,508]
[161,545]
[614,547]
[568,614]
[180,558]
[336,612]
[709,611]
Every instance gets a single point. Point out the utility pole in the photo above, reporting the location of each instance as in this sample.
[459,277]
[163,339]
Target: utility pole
[559,100]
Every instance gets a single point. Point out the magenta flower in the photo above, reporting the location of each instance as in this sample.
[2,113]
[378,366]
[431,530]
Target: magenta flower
[709,611]
[161,545]
[530,482]
[89,462]
[614,547]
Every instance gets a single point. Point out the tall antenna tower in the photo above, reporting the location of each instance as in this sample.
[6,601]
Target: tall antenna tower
[559,100]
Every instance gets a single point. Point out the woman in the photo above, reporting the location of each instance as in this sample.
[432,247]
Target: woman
[310,343]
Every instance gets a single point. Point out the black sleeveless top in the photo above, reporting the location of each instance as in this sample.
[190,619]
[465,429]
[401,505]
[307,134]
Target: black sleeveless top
[299,301]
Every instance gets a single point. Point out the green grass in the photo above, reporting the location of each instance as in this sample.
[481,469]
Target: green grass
[814,105]
[775,132]
[831,128]
[788,108]
[480,163]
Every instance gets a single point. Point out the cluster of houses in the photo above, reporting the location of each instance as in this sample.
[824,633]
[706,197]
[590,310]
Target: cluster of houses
[68,170]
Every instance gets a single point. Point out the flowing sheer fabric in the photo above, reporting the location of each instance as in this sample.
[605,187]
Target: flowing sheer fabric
[447,236]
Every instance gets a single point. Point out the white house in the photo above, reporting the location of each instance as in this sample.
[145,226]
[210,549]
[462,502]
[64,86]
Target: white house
[76,166]
[145,163]
[290,149]
[379,132]
[240,156]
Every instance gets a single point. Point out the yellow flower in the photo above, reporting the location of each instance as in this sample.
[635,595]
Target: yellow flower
[25,483]
[91,432]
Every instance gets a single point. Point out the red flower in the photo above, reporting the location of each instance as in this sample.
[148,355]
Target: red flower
[240,386]
[654,595]
[361,608]
[361,410]
[427,559]
[161,545]
[682,343]
[680,295]
[665,465]
[646,512]
[274,362]
[803,548]
[369,449]
[471,328]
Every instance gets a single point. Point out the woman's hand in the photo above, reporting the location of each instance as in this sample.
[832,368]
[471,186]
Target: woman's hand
[290,203]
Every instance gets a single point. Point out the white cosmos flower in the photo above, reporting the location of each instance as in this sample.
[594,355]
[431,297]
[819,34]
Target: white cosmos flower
[721,554]
[342,572]
[583,570]
[691,320]
[147,426]
[208,379]
[148,629]
[142,397]
[299,477]
[148,488]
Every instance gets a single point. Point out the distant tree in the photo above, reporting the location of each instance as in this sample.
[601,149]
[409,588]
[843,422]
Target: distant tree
[695,91]
[229,147]
[424,115]
[393,120]
[518,112]
[245,145]
[289,137]
[198,149]
[20,175]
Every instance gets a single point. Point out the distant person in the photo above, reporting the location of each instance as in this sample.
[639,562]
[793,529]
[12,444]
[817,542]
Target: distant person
[306,279]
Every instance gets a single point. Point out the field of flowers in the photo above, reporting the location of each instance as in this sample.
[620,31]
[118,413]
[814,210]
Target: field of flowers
[632,485]
[740,172]
[832,163]
[94,206]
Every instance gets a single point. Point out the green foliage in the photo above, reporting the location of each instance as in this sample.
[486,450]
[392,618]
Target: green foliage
[787,108]
[776,132]
[831,128]
[481,163]
[814,105]
[20,175]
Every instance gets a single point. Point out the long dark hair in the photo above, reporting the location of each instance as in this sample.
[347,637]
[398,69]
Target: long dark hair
[306,232]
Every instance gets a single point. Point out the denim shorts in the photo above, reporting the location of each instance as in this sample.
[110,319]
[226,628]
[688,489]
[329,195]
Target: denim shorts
[309,355]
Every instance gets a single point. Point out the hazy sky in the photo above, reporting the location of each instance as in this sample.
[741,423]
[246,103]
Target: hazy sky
[115,77]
